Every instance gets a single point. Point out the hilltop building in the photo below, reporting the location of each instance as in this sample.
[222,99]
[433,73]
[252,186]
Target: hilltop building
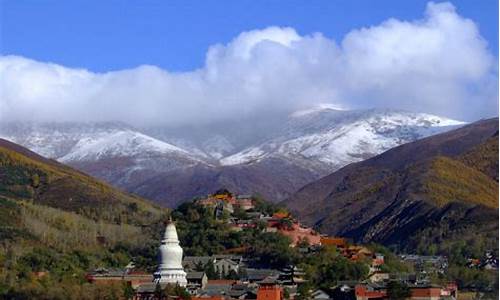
[170,270]
[223,200]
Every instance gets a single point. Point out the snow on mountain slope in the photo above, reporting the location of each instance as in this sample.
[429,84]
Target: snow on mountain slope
[319,135]
[118,143]
[54,140]
[77,141]
[218,146]
[337,138]
[74,143]
[246,156]
[270,158]
[114,152]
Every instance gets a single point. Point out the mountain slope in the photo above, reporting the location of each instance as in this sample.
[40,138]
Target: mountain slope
[114,152]
[271,157]
[443,181]
[272,179]
[24,175]
[61,223]
[335,138]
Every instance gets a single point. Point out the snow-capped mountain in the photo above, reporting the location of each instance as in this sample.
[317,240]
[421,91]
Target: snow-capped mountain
[275,162]
[336,138]
[112,151]
[118,143]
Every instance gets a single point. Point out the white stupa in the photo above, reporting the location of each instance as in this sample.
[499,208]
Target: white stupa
[170,270]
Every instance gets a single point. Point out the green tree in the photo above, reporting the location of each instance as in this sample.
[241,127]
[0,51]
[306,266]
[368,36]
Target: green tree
[128,291]
[286,293]
[159,291]
[210,270]
[232,275]
[398,291]
[240,213]
[273,249]
[304,291]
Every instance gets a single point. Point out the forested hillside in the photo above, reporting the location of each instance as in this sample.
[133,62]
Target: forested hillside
[57,223]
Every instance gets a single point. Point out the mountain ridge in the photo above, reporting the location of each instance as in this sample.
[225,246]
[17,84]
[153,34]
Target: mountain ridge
[305,146]
[386,198]
[60,222]
[25,175]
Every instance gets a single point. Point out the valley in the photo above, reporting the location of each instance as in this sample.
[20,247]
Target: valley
[57,220]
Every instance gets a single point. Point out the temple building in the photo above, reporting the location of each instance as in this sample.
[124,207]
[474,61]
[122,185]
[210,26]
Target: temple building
[170,270]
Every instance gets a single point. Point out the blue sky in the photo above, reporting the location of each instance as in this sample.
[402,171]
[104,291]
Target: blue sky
[175,35]
[165,62]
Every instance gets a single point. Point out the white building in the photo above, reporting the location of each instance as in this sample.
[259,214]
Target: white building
[170,270]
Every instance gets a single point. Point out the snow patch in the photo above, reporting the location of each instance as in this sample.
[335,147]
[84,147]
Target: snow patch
[244,157]
[318,108]
[340,138]
[118,144]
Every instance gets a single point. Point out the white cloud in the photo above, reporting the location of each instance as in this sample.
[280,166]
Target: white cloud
[439,64]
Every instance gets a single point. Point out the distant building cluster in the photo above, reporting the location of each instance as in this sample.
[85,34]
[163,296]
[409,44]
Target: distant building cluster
[242,280]
[368,291]
[260,284]
[487,262]
[223,200]
[282,222]
[429,264]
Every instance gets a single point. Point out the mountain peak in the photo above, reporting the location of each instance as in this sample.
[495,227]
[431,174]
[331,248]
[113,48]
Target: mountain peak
[307,145]
[317,109]
[339,137]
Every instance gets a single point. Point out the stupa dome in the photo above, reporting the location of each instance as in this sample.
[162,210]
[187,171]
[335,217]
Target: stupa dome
[170,268]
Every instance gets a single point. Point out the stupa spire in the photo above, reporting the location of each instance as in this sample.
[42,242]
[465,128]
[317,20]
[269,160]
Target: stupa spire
[170,268]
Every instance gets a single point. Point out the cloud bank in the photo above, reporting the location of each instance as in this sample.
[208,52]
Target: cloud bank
[438,64]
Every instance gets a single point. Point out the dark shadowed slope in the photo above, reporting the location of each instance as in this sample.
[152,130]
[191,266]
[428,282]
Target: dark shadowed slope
[271,178]
[444,183]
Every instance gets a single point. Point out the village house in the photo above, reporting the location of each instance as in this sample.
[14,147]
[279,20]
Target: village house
[356,253]
[224,264]
[108,276]
[292,275]
[252,275]
[244,202]
[344,291]
[269,290]
[243,291]
[378,276]
[429,264]
[333,241]
[238,225]
[196,281]
[320,294]
[370,291]
[367,291]
[377,260]
[217,287]
[194,263]
[222,200]
[489,262]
